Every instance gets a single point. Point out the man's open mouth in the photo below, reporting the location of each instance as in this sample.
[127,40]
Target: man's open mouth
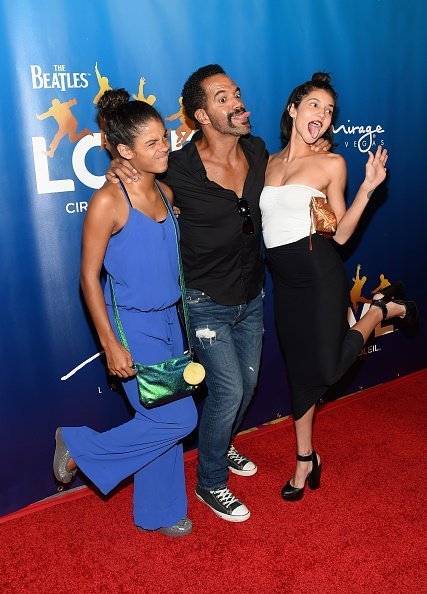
[240,117]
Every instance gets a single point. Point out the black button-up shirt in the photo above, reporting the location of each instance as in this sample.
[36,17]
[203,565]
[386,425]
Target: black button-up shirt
[218,258]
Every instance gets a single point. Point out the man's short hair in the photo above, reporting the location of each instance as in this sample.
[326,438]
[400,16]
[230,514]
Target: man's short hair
[193,94]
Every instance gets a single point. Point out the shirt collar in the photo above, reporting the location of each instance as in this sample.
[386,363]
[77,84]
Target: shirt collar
[196,163]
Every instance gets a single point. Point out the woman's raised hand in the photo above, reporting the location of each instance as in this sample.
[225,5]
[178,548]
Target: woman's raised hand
[121,170]
[375,169]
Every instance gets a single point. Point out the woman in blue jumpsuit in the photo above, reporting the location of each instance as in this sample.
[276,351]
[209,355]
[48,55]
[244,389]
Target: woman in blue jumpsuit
[132,235]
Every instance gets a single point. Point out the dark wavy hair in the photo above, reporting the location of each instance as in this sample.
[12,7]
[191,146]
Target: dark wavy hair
[193,94]
[319,80]
[124,118]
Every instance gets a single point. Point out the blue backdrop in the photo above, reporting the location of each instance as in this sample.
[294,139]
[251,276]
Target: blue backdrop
[56,58]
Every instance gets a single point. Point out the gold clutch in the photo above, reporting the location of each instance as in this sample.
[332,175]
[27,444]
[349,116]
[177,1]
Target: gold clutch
[323,219]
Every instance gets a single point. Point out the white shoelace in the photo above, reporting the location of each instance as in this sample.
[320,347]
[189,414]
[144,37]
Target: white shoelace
[234,455]
[225,496]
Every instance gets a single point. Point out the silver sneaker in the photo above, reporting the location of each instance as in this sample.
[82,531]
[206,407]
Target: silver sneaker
[60,460]
[181,528]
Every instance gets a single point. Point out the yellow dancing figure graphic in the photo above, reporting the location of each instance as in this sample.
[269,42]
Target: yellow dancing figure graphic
[67,123]
[356,291]
[185,129]
[384,282]
[141,97]
[103,82]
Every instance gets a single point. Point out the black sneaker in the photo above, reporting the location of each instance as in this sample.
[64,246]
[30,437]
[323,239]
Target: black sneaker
[239,464]
[223,503]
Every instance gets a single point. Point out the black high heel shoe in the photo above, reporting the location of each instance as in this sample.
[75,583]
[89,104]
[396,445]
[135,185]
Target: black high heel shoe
[396,293]
[409,323]
[392,292]
[290,493]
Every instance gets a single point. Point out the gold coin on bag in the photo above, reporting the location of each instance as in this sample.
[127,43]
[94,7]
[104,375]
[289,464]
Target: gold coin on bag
[194,373]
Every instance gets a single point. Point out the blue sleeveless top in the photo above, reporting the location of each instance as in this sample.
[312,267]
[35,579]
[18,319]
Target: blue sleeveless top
[142,259]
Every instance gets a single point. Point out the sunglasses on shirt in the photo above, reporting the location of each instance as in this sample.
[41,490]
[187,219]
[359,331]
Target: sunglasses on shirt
[244,211]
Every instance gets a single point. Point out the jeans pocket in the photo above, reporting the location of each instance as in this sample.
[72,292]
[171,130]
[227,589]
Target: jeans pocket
[195,296]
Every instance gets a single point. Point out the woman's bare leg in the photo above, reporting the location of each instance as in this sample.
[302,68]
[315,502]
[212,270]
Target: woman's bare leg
[304,433]
[374,316]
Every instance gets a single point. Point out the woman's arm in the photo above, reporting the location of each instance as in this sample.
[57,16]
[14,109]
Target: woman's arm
[97,229]
[374,176]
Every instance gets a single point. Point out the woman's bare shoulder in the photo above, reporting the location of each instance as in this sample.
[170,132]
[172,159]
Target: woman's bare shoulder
[167,191]
[275,161]
[104,201]
[106,196]
[332,157]
[275,157]
[333,161]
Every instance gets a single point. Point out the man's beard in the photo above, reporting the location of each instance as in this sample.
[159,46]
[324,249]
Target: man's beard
[231,128]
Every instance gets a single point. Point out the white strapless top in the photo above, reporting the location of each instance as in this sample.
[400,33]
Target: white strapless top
[286,213]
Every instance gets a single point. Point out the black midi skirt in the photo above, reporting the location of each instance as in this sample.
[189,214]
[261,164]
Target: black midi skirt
[311,294]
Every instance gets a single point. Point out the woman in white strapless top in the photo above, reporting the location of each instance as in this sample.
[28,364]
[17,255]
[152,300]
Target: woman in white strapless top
[310,285]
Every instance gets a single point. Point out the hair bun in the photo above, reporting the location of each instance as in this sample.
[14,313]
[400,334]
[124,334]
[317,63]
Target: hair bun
[321,77]
[111,100]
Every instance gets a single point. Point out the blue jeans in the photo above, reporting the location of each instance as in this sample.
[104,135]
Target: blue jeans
[227,340]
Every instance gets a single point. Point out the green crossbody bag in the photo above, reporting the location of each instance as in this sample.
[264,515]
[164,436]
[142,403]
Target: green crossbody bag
[172,379]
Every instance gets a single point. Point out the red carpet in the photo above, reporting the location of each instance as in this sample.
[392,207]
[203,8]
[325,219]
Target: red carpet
[361,532]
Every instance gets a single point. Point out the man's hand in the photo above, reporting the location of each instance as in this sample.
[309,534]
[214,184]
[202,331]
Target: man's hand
[321,144]
[121,170]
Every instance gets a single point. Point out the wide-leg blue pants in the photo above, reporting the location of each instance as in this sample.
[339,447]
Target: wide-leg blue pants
[148,445]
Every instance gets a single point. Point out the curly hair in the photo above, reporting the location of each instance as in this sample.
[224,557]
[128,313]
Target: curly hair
[111,100]
[124,118]
[319,80]
[193,94]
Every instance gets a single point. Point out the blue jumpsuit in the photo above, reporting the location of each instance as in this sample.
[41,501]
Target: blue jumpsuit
[142,260]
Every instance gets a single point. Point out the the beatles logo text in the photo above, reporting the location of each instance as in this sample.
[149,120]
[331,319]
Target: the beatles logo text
[58,79]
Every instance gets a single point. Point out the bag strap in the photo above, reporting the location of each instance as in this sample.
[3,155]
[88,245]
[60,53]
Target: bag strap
[116,315]
[180,267]
[181,281]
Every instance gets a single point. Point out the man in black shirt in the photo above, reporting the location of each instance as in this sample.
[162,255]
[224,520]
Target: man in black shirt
[217,180]
[218,255]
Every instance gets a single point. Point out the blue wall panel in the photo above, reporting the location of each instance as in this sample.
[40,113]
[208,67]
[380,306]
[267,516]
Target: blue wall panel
[375,50]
